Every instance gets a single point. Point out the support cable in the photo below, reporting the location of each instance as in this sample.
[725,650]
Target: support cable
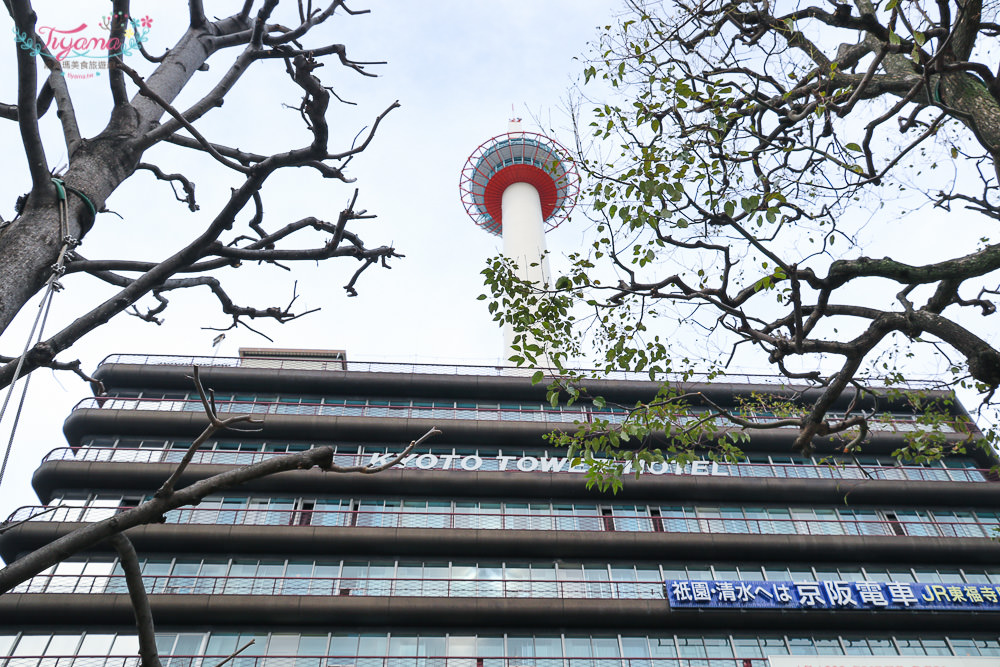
[51,287]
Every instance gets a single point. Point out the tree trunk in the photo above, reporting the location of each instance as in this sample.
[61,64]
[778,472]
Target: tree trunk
[30,245]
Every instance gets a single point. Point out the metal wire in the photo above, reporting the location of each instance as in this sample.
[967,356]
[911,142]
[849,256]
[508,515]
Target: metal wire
[52,286]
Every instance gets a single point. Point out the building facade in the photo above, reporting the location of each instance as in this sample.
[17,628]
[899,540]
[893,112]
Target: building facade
[485,548]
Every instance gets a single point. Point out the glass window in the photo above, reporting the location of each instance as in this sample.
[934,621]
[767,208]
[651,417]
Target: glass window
[33,645]
[964,647]
[283,644]
[773,646]
[548,647]
[801,646]
[372,645]
[123,645]
[909,646]
[976,577]
[222,644]
[801,574]
[343,644]
[856,646]
[828,646]
[926,575]
[881,646]
[877,574]
[520,650]
[718,647]
[578,647]
[97,644]
[987,646]
[489,646]
[936,647]
[662,647]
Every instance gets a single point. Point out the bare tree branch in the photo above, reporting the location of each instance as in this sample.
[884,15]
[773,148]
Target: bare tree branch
[121,15]
[197,14]
[187,185]
[73,366]
[27,92]
[129,561]
[214,424]
[148,92]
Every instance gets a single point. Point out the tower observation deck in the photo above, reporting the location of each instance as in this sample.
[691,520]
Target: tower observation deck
[520,185]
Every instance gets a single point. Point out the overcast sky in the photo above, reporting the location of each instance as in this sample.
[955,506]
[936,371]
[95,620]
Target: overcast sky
[459,70]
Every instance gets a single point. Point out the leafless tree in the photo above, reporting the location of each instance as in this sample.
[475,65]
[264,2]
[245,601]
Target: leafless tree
[167,498]
[43,245]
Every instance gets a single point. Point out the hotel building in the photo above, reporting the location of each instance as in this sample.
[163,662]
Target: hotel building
[485,548]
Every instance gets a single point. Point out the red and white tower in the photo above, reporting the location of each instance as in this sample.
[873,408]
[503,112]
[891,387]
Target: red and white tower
[520,185]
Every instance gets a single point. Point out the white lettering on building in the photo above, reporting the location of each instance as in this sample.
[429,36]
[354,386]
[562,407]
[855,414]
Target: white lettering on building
[548,464]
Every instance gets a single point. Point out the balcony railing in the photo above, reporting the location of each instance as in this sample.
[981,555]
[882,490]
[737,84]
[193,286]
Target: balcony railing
[492,463]
[365,587]
[283,363]
[492,413]
[379,661]
[333,410]
[476,519]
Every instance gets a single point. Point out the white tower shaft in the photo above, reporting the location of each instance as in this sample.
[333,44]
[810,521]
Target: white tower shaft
[524,241]
[519,185]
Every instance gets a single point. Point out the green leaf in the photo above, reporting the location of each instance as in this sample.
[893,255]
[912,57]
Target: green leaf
[537,377]
[853,147]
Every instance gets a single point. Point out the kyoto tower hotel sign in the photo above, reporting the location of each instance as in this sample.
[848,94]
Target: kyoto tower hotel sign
[519,185]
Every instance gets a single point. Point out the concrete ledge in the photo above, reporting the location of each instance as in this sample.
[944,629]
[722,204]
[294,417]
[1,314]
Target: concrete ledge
[513,614]
[452,484]
[428,542]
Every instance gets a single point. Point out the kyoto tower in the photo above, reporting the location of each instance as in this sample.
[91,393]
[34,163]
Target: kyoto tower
[520,185]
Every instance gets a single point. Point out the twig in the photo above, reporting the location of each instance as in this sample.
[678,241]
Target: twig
[214,424]
[236,652]
[187,185]
[4,529]
[72,366]
[371,470]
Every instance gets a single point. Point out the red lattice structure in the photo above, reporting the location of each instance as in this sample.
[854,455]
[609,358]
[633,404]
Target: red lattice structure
[518,157]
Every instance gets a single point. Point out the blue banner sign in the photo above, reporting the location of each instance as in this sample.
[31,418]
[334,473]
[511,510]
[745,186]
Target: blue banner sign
[864,595]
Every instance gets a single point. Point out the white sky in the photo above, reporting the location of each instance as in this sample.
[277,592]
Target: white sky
[457,68]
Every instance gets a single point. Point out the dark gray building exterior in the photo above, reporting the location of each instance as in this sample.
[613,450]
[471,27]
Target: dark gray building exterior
[485,548]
